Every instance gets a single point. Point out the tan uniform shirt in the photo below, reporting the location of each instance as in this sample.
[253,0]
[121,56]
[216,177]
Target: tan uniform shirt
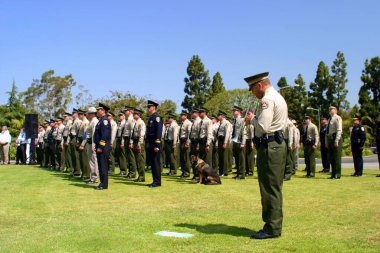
[250,129]
[82,129]
[90,132]
[138,132]
[113,131]
[59,132]
[127,128]
[41,136]
[75,128]
[66,130]
[172,132]
[205,130]
[195,129]
[272,113]
[335,126]
[215,128]
[288,133]
[184,131]
[224,131]
[47,131]
[312,134]
[120,128]
[296,138]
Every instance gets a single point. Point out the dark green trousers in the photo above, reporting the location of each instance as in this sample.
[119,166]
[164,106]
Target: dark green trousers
[223,157]
[184,157]
[309,153]
[215,157]
[271,160]
[84,163]
[74,156]
[120,156]
[289,162]
[335,157]
[195,152]
[249,158]
[205,156]
[239,155]
[66,152]
[131,161]
[59,155]
[140,160]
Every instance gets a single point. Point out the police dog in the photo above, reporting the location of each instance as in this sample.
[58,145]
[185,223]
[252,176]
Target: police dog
[206,174]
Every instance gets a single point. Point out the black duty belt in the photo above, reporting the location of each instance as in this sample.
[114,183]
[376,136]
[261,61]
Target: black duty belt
[203,140]
[277,136]
[183,140]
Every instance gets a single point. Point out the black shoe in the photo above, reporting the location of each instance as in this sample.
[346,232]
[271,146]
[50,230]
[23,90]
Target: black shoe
[378,176]
[100,188]
[185,176]
[139,180]
[222,175]
[131,176]
[239,177]
[91,182]
[286,179]
[154,185]
[122,173]
[262,235]
[334,178]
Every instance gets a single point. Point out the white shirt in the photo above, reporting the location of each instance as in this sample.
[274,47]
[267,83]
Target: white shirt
[5,137]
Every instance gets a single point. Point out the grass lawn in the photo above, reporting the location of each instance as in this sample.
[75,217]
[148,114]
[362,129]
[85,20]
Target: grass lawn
[43,211]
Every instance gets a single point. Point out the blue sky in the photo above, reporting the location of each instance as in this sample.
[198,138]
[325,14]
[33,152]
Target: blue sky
[144,46]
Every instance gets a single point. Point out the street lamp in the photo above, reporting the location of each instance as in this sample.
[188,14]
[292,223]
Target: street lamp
[319,115]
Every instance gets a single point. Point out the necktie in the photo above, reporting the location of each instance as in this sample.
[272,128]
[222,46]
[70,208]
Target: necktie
[233,129]
[328,126]
[180,130]
[200,128]
[167,133]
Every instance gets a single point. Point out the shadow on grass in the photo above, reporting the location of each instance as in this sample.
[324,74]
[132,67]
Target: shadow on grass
[84,185]
[218,229]
[133,183]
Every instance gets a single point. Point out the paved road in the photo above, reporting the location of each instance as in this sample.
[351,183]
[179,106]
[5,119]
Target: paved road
[370,162]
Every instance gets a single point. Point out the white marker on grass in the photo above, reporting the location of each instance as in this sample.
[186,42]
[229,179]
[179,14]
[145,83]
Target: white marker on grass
[174,234]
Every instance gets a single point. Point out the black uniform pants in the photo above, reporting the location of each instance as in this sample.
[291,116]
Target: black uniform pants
[325,158]
[50,154]
[103,167]
[357,154]
[154,160]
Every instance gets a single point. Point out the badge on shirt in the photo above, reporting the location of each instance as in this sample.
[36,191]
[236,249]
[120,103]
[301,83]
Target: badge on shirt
[264,105]
[105,122]
[158,119]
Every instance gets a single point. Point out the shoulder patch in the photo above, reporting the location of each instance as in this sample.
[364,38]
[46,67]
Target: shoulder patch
[362,129]
[158,119]
[105,122]
[264,105]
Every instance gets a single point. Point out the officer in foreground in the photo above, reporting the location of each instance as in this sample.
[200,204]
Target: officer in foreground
[269,123]
[102,141]
[153,137]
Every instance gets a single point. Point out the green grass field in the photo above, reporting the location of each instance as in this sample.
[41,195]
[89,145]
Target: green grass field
[43,211]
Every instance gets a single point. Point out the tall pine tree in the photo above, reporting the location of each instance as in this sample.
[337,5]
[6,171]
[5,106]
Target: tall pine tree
[318,88]
[217,85]
[369,94]
[196,84]
[299,102]
[285,90]
[337,91]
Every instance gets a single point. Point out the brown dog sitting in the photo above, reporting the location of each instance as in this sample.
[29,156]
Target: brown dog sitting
[206,174]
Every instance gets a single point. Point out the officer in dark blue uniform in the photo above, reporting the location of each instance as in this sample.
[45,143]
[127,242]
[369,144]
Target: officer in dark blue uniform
[102,141]
[51,144]
[153,137]
[358,137]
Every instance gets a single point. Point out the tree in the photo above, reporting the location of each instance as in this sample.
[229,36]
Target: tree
[285,90]
[83,98]
[117,100]
[51,95]
[318,88]
[299,102]
[217,85]
[196,84]
[13,113]
[166,107]
[369,93]
[337,91]
[227,99]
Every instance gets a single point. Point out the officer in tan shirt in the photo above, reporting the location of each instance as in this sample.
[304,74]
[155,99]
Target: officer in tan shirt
[334,142]
[184,144]
[269,122]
